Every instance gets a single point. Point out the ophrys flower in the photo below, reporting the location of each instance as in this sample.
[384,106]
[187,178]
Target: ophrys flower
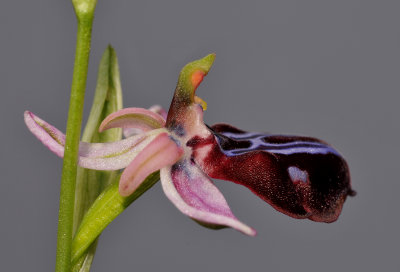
[302,177]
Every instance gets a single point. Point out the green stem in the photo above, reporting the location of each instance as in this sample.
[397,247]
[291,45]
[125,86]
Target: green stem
[67,191]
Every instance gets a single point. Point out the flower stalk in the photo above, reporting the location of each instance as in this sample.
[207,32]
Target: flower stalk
[85,12]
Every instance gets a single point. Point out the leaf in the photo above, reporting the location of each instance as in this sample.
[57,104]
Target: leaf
[108,205]
[90,183]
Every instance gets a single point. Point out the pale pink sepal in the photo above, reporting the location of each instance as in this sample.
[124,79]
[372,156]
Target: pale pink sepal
[114,155]
[137,118]
[99,156]
[160,152]
[51,137]
[195,195]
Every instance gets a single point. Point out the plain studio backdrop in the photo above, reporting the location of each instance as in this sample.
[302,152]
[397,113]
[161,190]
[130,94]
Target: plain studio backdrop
[328,69]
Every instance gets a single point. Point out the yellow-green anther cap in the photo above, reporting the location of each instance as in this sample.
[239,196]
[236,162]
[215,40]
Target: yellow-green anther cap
[191,76]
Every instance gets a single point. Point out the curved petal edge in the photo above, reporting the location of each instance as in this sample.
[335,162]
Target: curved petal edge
[137,118]
[195,195]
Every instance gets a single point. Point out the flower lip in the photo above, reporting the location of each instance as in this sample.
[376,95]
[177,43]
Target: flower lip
[302,177]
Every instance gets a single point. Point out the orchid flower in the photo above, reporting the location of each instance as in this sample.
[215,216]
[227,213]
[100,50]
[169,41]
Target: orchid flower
[302,177]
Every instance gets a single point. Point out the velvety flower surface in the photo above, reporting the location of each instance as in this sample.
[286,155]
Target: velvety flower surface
[302,177]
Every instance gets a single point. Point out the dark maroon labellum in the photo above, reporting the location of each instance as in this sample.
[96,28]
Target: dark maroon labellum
[302,177]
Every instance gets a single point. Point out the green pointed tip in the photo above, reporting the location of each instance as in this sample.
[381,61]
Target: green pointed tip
[191,76]
[111,50]
[203,64]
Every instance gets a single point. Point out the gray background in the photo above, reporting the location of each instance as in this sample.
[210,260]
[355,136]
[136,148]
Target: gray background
[328,69]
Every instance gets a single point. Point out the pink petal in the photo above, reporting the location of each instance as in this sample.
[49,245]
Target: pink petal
[160,152]
[137,118]
[195,195]
[130,131]
[99,156]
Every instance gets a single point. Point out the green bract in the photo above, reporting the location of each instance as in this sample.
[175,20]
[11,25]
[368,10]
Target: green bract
[90,183]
